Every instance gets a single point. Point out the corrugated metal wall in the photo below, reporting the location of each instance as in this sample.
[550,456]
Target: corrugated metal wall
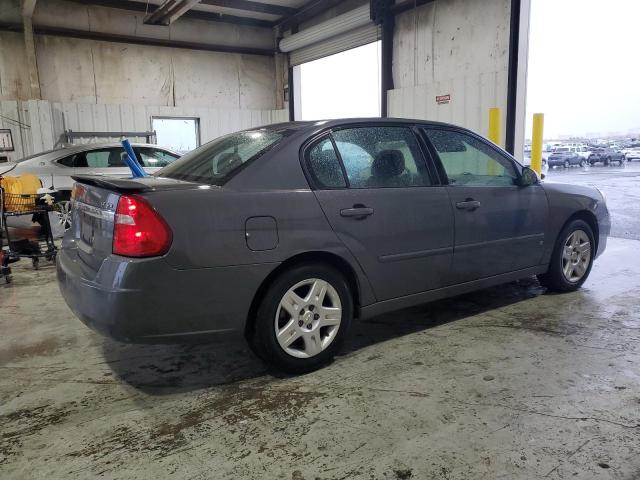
[38,125]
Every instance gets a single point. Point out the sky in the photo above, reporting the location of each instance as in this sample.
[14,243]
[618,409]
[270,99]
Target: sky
[584,66]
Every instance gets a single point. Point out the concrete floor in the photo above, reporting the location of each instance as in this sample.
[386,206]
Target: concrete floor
[509,382]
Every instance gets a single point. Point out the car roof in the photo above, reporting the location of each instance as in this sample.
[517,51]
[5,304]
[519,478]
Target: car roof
[71,149]
[312,125]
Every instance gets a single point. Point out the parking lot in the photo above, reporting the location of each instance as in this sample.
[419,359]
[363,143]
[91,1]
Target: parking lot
[620,184]
[506,382]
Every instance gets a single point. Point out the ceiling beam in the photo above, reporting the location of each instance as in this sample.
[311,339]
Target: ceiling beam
[159,42]
[408,5]
[307,12]
[133,6]
[251,6]
[169,12]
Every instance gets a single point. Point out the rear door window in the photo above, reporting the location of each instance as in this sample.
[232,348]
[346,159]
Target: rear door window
[324,165]
[381,157]
[103,158]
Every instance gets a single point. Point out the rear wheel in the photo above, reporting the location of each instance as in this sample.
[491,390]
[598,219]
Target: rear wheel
[583,163]
[303,318]
[607,161]
[571,259]
[567,164]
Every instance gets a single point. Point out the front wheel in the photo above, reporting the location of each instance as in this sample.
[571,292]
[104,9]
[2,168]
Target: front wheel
[303,318]
[583,163]
[567,164]
[571,259]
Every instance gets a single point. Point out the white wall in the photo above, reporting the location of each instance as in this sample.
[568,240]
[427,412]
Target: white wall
[456,47]
[38,125]
[87,71]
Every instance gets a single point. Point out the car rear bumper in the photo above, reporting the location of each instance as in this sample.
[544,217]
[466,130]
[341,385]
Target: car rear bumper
[146,300]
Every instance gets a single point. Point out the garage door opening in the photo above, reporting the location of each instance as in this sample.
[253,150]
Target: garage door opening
[346,84]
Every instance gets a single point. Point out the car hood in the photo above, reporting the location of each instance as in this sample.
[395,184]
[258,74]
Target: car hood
[584,191]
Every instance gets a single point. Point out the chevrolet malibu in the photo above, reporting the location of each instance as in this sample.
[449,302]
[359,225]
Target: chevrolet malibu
[284,234]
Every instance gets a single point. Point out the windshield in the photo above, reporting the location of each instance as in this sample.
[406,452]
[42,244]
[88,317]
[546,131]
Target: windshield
[215,161]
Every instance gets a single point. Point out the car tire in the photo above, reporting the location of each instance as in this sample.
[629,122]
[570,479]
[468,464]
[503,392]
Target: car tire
[308,339]
[567,164]
[583,163]
[607,161]
[567,255]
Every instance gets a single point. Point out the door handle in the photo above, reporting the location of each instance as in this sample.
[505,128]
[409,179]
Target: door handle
[469,204]
[359,212]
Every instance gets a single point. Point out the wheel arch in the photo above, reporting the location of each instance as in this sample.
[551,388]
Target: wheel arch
[336,261]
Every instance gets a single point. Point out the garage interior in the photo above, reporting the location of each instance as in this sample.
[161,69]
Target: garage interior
[509,382]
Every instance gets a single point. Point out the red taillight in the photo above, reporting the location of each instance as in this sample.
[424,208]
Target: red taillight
[139,230]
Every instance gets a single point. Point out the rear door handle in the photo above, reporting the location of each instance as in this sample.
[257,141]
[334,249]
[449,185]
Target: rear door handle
[359,212]
[469,204]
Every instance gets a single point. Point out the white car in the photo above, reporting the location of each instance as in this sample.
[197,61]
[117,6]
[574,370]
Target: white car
[55,167]
[632,153]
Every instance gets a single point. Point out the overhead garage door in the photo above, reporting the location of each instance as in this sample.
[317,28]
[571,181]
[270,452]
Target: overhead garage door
[349,30]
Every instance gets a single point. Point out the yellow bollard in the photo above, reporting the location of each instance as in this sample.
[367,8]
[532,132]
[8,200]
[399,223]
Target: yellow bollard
[536,142]
[494,125]
[494,136]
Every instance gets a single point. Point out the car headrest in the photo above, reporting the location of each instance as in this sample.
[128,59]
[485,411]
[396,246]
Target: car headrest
[228,162]
[388,163]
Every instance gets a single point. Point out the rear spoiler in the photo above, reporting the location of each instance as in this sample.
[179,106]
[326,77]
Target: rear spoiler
[121,185]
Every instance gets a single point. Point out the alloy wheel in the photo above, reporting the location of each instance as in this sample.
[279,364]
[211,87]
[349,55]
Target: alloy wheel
[576,256]
[308,318]
[63,214]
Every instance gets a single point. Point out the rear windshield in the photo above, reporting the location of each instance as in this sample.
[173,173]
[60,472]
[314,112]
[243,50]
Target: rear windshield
[215,162]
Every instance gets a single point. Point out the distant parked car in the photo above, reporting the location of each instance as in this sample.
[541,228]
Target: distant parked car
[566,159]
[632,153]
[55,167]
[607,156]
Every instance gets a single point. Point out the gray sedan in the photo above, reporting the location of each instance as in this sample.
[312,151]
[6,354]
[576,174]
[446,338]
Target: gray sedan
[286,233]
[55,167]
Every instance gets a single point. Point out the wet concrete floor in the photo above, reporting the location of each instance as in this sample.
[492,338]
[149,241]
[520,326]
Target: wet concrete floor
[509,382]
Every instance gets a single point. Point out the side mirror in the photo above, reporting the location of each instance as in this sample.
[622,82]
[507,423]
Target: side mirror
[528,177]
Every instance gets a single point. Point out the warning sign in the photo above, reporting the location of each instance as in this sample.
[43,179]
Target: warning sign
[442,99]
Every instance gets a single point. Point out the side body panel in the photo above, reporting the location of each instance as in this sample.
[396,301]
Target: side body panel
[506,233]
[406,245]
